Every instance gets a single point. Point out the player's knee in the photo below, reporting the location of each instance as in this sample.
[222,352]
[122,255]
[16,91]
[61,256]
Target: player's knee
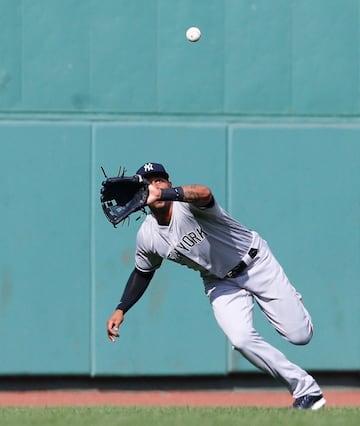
[301,336]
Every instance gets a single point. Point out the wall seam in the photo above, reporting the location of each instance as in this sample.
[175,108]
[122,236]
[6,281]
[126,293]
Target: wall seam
[229,366]
[92,253]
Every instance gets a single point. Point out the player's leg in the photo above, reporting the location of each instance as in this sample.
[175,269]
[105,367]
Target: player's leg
[233,310]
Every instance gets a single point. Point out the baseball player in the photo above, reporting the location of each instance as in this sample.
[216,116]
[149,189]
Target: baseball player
[188,226]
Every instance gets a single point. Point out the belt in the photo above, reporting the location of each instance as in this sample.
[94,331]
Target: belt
[245,262]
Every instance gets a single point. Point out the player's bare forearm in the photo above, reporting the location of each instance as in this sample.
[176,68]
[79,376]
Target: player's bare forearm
[113,324]
[199,195]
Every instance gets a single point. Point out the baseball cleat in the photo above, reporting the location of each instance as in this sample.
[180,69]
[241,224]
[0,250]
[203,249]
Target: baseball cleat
[309,402]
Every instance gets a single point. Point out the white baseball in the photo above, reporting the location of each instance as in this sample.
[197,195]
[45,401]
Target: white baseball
[193,34]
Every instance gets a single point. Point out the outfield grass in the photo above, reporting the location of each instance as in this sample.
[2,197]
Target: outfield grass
[175,416]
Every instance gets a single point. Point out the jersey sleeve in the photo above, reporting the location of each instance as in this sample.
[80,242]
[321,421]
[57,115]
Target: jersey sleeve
[146,259]
[213,210]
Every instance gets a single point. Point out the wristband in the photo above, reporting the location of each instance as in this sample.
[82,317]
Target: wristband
[172,194]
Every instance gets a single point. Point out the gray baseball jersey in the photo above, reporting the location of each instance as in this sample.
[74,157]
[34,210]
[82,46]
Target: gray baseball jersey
[204,239]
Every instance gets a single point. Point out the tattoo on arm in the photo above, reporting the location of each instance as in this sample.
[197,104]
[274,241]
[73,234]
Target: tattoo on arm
[191,194]
[197,194]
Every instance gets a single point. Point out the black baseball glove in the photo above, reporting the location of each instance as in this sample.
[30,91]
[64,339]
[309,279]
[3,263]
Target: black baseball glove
[123,195]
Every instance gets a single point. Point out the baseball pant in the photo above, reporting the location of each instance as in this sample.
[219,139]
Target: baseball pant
[265,282]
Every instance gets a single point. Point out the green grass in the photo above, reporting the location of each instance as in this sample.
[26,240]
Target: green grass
[175,416]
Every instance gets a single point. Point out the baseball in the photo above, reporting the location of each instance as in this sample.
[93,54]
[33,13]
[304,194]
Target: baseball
[193,34]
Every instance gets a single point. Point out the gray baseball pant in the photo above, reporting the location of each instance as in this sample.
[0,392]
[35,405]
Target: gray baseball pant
[264,281]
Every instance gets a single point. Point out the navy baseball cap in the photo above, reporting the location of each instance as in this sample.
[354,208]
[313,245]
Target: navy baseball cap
[149,169]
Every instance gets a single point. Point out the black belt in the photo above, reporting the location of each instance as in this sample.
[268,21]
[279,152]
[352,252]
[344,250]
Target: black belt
[243,264]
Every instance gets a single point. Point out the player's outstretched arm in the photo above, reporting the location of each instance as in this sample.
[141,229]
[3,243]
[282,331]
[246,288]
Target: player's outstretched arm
[196,194]
[134,289]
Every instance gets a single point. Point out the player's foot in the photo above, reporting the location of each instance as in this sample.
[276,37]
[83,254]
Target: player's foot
[309,402]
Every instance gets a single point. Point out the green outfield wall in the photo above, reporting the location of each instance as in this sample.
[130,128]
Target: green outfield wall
[265,109]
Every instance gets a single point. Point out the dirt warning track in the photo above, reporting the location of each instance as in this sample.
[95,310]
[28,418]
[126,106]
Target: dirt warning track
[256,398]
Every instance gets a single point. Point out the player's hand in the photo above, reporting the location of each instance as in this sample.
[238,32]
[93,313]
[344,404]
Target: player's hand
[113,324]
[154,194]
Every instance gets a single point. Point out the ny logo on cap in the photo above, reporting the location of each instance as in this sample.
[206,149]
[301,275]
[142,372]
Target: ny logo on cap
[148,167]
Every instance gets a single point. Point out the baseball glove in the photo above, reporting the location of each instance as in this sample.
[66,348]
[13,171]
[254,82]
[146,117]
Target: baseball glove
[123,195]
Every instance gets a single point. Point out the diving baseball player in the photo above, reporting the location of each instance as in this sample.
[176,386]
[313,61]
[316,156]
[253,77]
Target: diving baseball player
[188,226]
